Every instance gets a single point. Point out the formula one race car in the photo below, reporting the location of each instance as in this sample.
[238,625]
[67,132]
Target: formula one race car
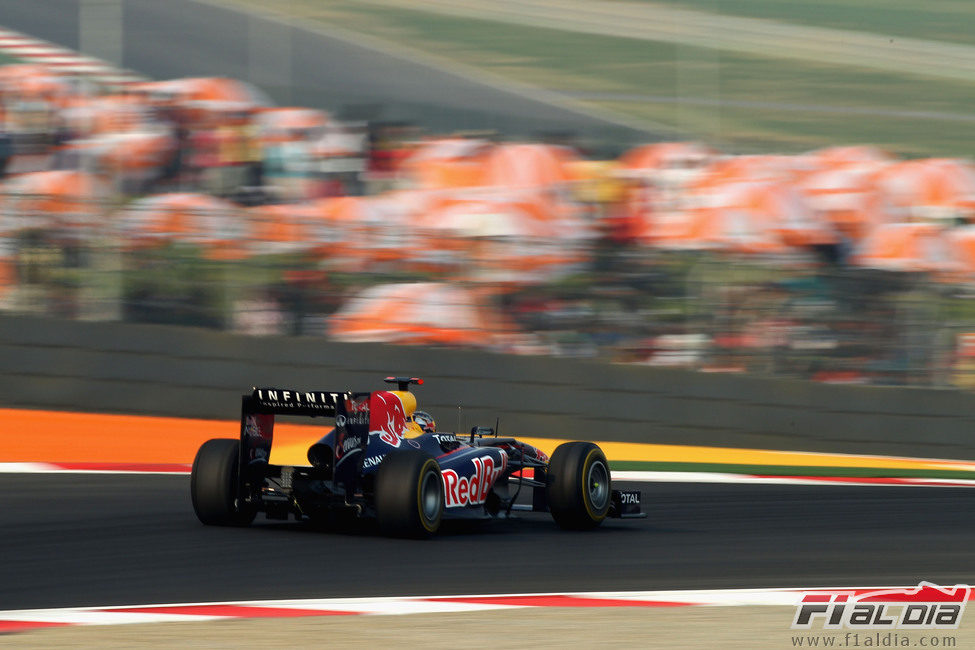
[378,462]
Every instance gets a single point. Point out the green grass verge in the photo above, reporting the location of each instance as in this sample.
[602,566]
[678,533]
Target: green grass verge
[787,470]
[944,20]
[783,95]
[744,130]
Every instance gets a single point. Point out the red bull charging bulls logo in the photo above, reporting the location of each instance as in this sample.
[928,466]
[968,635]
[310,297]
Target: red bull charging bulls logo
[387,418]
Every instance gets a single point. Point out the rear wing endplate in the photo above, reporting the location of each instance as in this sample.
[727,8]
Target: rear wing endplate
[351,413]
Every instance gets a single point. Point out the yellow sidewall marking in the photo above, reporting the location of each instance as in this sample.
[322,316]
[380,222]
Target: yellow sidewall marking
[585,487]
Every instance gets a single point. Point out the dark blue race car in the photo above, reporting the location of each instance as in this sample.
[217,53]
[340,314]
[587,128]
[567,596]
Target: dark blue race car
[379,462]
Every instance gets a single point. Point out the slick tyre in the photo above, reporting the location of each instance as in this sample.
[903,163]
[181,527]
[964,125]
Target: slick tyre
[409,494]
[578,486]
[213,484]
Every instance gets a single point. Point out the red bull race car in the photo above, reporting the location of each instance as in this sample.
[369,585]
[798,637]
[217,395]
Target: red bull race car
[382,460]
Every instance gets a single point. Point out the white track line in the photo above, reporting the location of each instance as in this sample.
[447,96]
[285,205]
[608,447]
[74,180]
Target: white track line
[845,481]
[631,476]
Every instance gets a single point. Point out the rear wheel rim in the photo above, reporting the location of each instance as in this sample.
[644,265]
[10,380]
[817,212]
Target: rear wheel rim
[430,497]
[597,485]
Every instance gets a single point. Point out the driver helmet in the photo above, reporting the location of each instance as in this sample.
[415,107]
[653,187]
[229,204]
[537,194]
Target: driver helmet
[425,421]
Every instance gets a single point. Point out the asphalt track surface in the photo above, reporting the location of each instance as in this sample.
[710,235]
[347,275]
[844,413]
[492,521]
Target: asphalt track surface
[85,539]
[298,66]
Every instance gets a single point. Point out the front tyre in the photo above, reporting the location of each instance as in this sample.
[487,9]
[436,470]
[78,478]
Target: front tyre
[213,484]
[409,494]
[578,485]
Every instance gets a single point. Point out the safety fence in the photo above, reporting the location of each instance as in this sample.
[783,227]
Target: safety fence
[191,372]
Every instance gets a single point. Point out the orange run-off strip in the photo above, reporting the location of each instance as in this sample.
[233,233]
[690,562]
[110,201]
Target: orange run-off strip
[53,436]
[63,437]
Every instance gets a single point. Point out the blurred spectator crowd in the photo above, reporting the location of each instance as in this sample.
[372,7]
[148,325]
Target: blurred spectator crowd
[198,202]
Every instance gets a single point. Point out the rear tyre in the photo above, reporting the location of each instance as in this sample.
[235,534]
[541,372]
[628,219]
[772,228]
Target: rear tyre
[578,485]
[409,494]
[213,484]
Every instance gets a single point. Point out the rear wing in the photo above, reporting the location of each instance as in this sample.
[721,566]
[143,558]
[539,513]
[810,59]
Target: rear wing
[289,401]
[350,411]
